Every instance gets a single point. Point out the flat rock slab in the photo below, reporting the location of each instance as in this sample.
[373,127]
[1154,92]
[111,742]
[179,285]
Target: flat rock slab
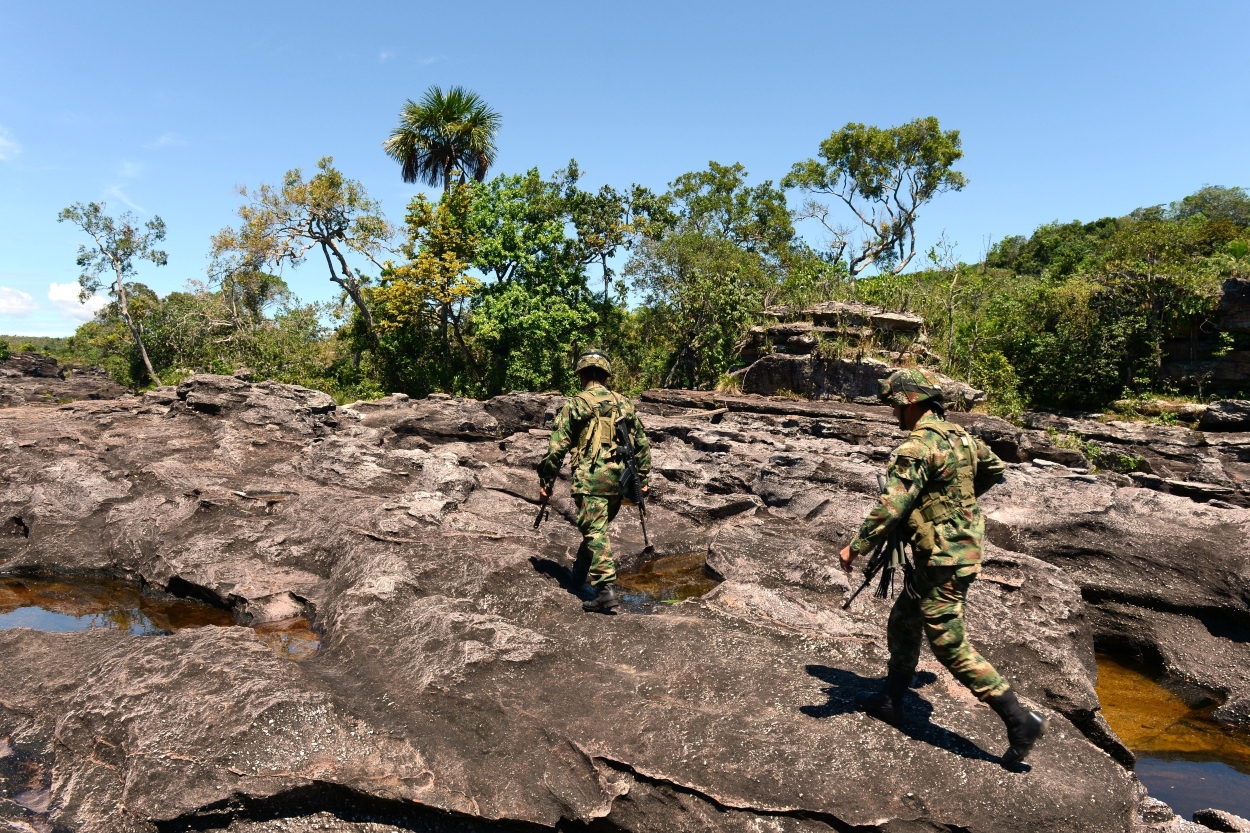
[460,685]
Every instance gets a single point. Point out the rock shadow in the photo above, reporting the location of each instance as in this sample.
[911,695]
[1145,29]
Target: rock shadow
[844,685]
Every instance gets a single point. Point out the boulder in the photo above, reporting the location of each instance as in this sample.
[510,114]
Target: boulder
[1226,415]
[846,379]
[1220,820]
[35,365]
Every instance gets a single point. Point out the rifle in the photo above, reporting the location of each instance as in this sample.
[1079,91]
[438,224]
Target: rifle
[886,558]
[543,514]
[631,482]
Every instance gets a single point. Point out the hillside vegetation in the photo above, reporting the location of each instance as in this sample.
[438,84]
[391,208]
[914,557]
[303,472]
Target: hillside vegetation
[502,280]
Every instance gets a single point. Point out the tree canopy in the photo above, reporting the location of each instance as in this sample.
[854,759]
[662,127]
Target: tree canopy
[883,176]
[443,136]
[496,282]
[116,245]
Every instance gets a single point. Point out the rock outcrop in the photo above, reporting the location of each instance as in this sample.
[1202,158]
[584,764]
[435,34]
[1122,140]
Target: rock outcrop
[837,350]
[1201,359]
[462,688]
[36,378]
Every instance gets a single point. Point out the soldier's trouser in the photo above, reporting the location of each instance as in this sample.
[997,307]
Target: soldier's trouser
[594,556]
[940,613]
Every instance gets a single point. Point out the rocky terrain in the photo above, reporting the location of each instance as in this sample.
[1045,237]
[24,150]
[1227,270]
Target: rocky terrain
[461,688]
[39,379]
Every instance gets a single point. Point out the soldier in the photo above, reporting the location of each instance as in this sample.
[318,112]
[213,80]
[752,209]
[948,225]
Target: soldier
[587,425]
[933,482]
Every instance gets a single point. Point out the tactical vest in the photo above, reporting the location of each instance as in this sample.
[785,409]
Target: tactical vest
[598,439]
[941,499]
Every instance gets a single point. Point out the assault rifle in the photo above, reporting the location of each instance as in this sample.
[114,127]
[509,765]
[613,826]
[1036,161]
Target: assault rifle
[886,558]
[631,481]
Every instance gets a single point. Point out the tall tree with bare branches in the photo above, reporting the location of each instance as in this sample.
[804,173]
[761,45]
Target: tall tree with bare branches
[884,176]
[117,244]
[328,213]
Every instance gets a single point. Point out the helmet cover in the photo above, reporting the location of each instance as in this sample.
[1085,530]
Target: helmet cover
[905,387]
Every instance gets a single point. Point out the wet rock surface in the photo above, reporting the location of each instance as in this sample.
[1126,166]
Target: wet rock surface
[461,687]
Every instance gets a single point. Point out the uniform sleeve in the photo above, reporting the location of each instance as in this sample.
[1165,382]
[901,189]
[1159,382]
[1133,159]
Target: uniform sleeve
[989,469]
[642,450]
[905,479]
[563,434]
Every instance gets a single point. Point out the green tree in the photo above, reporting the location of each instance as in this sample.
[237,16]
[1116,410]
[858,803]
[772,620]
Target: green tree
[701,292]
[329,213]
[117,244]
[419,302]
[535,311]
[444,136]
[719,256]
[718,202]
[606,222]
[884,176]
[1214,202]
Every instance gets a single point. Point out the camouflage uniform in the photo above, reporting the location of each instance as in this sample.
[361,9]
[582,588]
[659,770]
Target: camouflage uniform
[933,480]
[596,471]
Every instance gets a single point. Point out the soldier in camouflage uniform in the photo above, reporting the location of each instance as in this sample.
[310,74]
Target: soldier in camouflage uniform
[932,486]
[587,426]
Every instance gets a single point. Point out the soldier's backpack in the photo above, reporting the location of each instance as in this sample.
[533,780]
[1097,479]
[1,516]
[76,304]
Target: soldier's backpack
[598,439]
[942,499]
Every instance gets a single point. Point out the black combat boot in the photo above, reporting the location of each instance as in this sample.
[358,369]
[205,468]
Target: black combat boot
[887,704]
[605,600]
[1023,726]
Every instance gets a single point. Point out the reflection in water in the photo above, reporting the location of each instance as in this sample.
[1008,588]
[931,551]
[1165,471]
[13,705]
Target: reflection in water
[1184,757]
[64,607]
[291,638]
[669,579]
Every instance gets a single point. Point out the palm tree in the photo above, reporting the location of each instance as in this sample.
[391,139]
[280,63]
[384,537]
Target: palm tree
[443,136]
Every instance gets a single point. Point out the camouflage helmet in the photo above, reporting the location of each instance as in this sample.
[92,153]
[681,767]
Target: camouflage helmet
[594,358]
[903,387]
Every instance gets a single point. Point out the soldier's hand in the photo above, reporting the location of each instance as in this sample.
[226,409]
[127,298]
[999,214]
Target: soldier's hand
[646,490]
[847,557]
[543,495]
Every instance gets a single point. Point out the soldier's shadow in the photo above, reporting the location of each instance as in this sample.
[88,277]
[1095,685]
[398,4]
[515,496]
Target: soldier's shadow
[844,685]
[563,575]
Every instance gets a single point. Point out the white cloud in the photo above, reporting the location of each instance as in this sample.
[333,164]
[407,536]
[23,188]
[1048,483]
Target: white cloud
[64,296]
[166,140]
[9,148]
[117,191]
[385,56]
[15,302]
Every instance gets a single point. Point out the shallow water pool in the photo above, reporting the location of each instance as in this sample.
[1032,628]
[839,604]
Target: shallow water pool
[667,580]
[68,605]
[1183,756]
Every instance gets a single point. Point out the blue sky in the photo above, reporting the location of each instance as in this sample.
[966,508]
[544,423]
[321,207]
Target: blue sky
[1067,110]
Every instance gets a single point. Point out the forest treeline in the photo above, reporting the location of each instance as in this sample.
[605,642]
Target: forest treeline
[499,282]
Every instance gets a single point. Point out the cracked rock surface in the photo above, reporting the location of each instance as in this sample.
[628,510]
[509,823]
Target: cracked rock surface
[461,687]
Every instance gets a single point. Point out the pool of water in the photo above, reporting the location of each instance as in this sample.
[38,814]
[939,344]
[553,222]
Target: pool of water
[65,606]
[666,580]
[1183,756]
